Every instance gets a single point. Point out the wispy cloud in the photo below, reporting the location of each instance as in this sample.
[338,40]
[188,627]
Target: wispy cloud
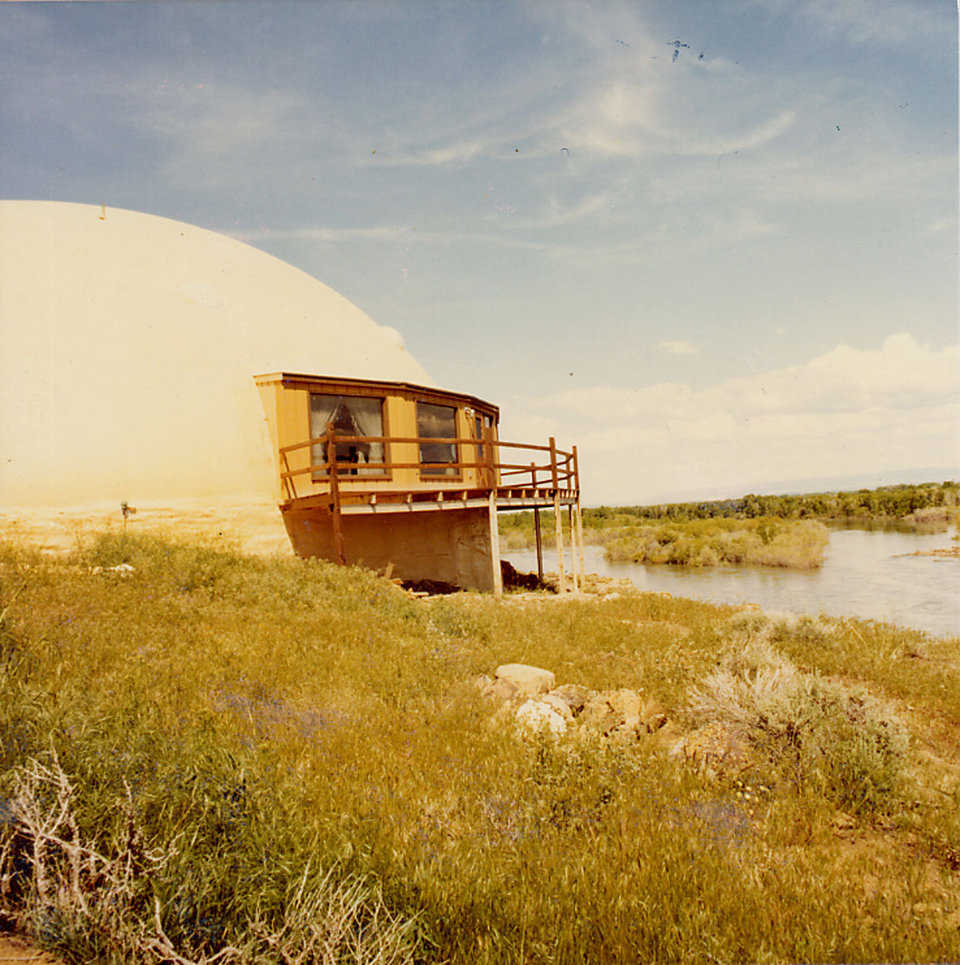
[453,152]
[880,22]
[216,119]
[678,347]
[387,234]
[745,140]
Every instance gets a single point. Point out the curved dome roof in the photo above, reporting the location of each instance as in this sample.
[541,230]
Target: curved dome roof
[129,346]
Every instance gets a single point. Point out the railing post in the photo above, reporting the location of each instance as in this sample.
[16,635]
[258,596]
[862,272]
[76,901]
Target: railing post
[533,477]
[335,520]
[576,473]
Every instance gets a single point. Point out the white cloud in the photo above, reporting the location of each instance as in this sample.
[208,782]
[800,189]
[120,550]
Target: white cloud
[845,412]
[216,119]
[746,140]
[939,225]
[387,234]
[617,95]
[452,152]
[678,347]
[880,22]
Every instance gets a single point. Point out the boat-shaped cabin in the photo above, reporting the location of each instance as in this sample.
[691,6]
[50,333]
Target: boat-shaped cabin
[408,479]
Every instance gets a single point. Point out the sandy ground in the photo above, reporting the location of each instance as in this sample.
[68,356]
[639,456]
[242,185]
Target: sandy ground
[15,949]
[254,527]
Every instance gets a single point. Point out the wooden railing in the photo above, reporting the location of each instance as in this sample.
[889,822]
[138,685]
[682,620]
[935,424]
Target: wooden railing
[559,470]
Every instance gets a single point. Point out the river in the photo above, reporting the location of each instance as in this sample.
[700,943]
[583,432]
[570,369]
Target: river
[865,573]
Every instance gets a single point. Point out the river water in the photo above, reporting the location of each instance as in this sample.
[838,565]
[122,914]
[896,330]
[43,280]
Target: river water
[865,574]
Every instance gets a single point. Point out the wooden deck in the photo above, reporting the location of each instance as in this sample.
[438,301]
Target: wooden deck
[511,475]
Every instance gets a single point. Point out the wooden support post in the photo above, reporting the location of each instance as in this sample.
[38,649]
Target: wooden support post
[495,546]
[576,474]
[580,541]
[561,583]
[556,514]
[335,520]
[573,550]
[536,528]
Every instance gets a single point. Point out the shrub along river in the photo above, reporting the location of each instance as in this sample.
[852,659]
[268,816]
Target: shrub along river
[866,573]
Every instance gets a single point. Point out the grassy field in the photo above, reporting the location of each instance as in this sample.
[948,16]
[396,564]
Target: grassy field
[209,757]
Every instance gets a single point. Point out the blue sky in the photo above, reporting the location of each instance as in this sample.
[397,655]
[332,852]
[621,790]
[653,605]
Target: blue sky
[713,243]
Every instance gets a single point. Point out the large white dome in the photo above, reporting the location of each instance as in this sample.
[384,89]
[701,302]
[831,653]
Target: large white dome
[129,346]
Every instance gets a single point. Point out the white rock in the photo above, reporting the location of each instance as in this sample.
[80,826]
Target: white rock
[528,680]
[534,716]
[558,704]
[505,690]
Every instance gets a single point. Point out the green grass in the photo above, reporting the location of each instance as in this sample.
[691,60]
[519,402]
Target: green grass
[798,544]
[285,757]
[768,541]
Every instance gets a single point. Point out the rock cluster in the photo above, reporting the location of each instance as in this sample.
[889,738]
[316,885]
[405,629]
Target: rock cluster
[537,705]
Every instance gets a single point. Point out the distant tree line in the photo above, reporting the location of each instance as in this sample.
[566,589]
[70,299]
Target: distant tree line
[886,501]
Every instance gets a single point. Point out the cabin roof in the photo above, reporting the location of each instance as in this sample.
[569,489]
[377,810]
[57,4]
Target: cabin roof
[301,380]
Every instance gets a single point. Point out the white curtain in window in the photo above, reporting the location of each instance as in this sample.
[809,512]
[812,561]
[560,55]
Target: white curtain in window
[351,415]
[368,415]
[321,412]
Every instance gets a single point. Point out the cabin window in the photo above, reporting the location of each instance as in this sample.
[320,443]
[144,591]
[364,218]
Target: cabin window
[351,415]
[437,422]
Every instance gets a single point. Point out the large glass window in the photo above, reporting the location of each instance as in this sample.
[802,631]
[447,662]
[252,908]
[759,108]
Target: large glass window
[437,422]
[351,415]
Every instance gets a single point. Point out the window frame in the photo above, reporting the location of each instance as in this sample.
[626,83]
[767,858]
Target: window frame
[343,476]
[439,475]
